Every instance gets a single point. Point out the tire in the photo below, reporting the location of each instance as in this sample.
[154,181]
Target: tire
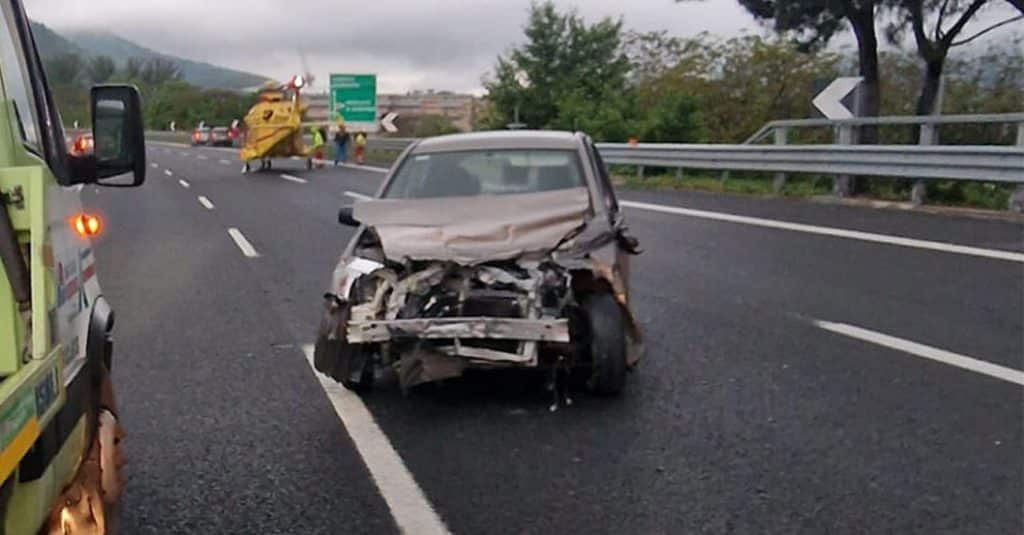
[352,366]
[607,344]
[270,164]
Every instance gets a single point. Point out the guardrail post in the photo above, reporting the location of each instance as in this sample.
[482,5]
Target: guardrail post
[640,172]
[780,178]
[679,173]
[1017,197]
[928,136]
[843,183]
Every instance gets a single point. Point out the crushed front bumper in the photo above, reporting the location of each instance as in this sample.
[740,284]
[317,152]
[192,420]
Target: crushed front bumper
[537,330]
[460,329]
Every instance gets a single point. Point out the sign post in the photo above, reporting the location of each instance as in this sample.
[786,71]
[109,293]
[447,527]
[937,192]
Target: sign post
[354,99]
[830,103]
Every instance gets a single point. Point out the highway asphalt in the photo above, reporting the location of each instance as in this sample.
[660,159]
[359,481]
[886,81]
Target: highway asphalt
[772,397]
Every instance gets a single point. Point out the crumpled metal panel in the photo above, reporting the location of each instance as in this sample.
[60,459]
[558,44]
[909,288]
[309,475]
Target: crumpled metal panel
[471,230]
[544,330]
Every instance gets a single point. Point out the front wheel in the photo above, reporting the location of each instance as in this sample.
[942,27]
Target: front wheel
[606,329]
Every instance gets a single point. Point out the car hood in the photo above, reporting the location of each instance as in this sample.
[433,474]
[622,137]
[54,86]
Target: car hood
[474,229]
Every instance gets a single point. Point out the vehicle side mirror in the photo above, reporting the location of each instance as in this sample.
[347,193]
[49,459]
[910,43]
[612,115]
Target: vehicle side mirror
[346,218]
[118,140]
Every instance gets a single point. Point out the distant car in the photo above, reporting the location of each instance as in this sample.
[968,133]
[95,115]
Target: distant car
[485,250]
[220,137]
[201,136]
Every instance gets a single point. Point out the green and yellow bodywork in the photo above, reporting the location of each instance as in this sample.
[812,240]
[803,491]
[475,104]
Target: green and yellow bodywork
[41,346]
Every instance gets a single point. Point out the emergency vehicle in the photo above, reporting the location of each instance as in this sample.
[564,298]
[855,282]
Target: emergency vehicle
[59,452]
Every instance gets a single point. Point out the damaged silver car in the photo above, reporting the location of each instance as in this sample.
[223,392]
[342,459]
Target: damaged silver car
[485,250]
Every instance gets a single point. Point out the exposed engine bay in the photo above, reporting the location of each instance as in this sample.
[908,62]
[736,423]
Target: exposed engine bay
[515,291]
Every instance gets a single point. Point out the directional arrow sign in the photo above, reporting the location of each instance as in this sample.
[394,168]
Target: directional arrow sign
[829,102]
[388,122]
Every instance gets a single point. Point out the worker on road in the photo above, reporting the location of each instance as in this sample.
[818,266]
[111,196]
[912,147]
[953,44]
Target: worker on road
[360,146]
[340,143]
[318,146]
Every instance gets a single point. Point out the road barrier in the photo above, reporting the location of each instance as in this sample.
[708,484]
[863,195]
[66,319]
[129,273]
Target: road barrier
[926,160]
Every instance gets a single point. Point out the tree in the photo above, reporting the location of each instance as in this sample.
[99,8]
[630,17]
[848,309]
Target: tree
[934,43]
[64,69]
[132,71]
[815,22]
[100,70]
[736,82]
[158,71]
[562,60]
[430,125]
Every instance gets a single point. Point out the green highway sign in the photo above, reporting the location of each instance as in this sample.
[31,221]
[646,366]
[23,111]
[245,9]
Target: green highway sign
[354,99]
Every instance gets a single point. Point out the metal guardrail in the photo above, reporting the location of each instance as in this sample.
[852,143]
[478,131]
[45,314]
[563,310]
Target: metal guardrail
[390,143]
[983,163]
[893,120]
[995,164]
[927,160]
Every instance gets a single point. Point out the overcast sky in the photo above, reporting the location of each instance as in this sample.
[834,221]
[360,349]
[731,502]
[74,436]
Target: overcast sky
[439,44]
[410,44]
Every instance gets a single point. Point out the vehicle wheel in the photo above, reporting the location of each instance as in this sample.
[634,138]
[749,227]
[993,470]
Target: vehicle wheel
[352,366]
[270,164]
[607,344]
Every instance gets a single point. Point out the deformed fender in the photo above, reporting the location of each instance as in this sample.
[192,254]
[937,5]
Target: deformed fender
[617,282]
[333,355]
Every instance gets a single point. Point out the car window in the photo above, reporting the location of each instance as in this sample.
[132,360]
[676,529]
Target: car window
[16,85]
[491,172]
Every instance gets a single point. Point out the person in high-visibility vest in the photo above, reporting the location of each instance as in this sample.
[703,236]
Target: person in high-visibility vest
[360,146]
[318,145]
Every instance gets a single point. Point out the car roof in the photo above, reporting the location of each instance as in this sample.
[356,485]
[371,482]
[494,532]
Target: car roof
[500,139]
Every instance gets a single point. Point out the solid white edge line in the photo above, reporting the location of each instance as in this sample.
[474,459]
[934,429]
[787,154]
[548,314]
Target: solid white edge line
[225,162]
[242,243]
[831,231]
[357,196]
[184,183]
[408,504]
[925,351]
[294,179]
[205,202]
[168,172]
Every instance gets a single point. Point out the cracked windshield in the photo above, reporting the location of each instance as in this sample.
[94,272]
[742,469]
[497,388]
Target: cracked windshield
[512,267]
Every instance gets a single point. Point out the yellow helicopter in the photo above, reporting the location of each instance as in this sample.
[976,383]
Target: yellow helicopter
[273,126]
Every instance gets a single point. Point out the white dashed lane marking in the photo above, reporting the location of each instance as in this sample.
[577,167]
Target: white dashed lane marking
[247,249]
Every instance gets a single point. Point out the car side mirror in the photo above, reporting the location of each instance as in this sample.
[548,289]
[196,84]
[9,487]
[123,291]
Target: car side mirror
[346,218]
[118,139]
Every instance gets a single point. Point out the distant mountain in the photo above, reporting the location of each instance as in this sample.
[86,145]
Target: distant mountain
[51,43]
[91,43]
